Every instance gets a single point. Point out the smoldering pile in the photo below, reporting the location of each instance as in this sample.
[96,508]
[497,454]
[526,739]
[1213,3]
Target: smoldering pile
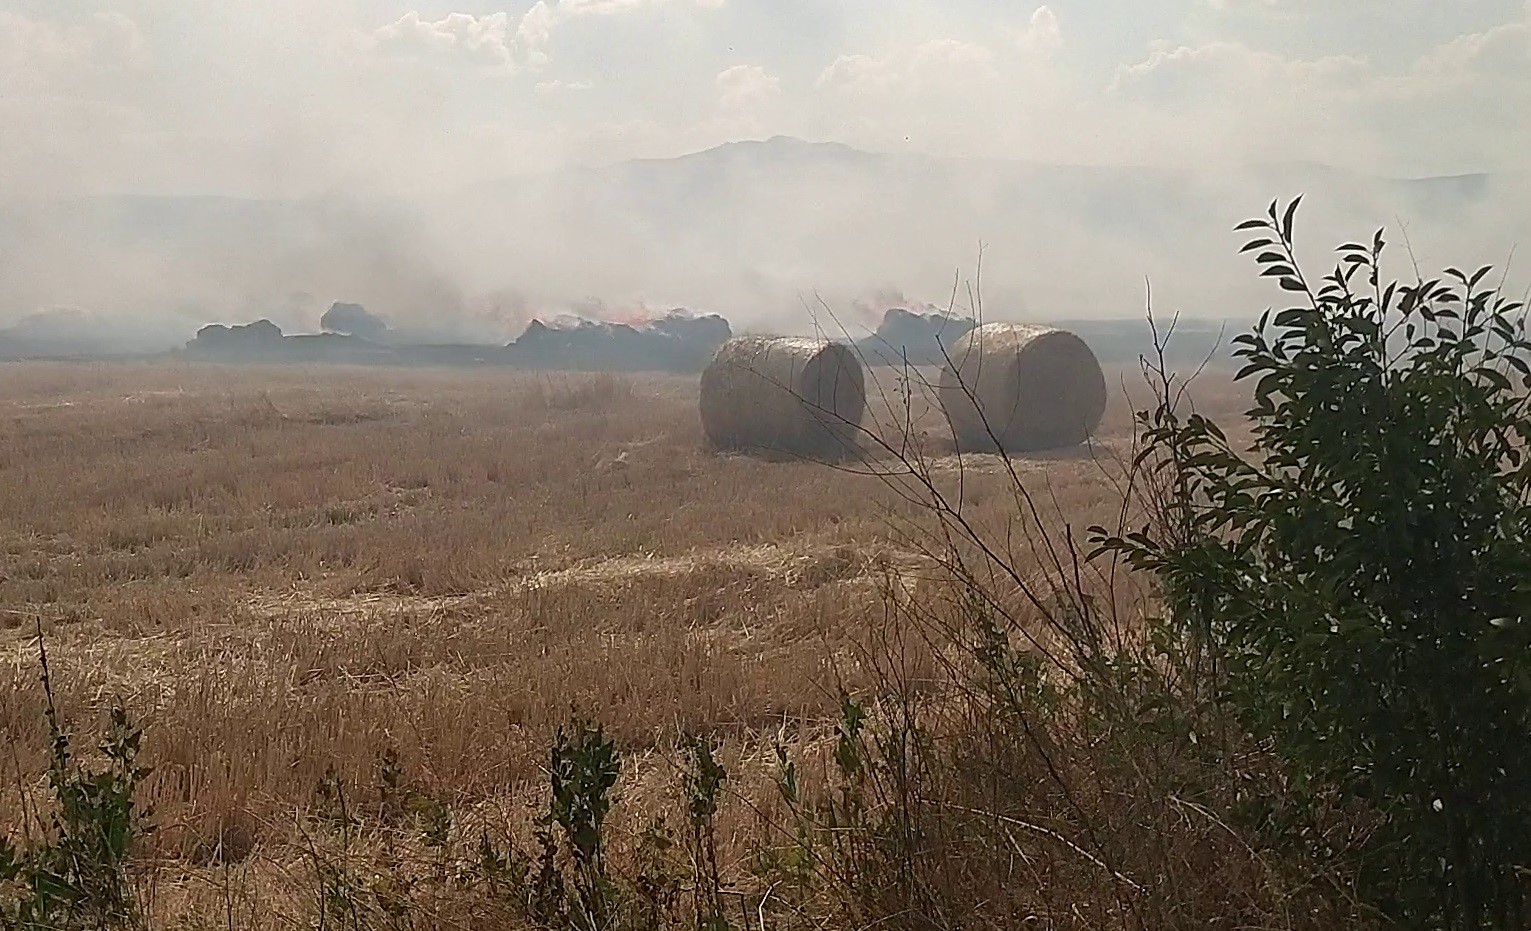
[247,341]
[914,337]
[354,320]
[264,342]
[679,341]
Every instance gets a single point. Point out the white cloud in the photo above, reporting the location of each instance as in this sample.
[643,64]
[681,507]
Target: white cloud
[1219,66]
[1043,35]
[745,87]
[577,7]
[53,55]
[534,33]
[489,39]
[858,71]
[929,65]
[1433,113]
[557,86]
[483,39]
[1503,52]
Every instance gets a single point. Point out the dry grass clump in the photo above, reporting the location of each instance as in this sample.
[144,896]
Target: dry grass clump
[290,575]
[556,391]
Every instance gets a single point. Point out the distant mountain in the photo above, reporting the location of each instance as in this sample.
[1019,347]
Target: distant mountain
[756,231]
[756,173]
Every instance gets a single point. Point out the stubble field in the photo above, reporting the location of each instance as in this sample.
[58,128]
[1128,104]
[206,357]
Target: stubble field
[286,573]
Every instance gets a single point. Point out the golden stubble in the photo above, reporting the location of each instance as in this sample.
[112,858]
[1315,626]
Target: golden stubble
[285,570]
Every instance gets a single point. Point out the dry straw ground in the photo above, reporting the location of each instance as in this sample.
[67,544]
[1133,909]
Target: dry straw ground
[282,570]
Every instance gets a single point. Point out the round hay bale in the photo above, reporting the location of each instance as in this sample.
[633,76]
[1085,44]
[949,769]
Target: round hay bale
[801,397]
[1018,388]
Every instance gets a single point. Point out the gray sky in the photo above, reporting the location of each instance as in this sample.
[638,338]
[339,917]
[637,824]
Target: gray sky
[292,97]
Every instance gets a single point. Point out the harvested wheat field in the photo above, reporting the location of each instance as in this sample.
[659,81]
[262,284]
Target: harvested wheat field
[391,588]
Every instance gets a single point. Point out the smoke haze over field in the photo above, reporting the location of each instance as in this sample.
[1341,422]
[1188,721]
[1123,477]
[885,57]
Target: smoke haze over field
[461,169]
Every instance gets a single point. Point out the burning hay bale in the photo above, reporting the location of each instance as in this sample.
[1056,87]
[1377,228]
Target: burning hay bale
[802,397]
[1022,389]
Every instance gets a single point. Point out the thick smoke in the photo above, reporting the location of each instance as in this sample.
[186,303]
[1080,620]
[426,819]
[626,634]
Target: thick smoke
[776,236]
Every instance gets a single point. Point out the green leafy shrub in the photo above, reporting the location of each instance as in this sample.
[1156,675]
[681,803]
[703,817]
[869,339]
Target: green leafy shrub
[1359,583]
[583,772]
[703,778]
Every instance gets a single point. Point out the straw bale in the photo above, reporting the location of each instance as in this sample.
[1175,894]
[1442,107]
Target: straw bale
[801,397]
[1021,388]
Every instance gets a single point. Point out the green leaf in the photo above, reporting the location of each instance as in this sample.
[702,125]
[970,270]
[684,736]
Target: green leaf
[1286,221]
